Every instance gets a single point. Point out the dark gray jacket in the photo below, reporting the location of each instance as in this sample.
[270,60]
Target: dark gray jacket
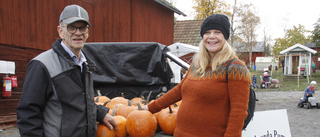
[57,98]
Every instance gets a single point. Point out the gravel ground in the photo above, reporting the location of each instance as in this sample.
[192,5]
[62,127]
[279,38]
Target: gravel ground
[303,122]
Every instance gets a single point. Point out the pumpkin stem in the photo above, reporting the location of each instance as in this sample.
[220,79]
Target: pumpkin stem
[114,111]
[139,106]
[160,95]
[122,95]
[104,104]
[175,105]
[97,99]
[129,103]
[170,110]
[99,93]
[148,98]
[143,100]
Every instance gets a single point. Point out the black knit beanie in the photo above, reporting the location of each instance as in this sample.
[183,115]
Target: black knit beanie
[218,22]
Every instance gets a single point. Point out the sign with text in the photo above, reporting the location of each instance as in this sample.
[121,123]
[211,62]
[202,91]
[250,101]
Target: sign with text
[7,67]
[271,123]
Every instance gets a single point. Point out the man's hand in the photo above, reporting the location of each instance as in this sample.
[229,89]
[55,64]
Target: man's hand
[110,122]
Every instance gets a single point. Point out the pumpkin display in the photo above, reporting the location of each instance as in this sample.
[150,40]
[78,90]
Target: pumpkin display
[141,123]
[167,120]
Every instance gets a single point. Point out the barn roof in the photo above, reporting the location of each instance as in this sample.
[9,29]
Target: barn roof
[169,6]
[188,32]
[241,47]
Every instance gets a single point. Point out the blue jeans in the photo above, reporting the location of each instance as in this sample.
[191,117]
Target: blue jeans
[304,99]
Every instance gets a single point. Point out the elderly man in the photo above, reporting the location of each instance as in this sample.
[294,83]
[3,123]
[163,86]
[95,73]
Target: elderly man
[57,97]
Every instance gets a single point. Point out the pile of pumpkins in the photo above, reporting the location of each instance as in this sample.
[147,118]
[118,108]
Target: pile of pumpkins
[134,121]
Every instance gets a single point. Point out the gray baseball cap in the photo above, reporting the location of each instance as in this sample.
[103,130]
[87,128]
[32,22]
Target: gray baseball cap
[74,13]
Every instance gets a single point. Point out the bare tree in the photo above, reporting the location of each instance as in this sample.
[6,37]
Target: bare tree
[234,13]
[266,43]
[247,27]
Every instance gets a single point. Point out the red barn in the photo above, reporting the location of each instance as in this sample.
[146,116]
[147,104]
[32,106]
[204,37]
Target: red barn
[28,27]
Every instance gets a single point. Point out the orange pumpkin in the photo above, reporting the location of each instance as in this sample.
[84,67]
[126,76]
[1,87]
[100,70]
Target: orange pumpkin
[121,122]
[110,111]
[136,100]
[104,131]
[141,123]
[156,115]
[124,110]
[117,100]
[167,120]
[122,129]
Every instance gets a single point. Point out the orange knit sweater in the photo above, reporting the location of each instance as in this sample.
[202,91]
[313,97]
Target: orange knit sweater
[210,106]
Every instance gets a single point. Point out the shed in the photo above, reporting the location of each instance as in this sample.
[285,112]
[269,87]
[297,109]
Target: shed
[264,62]
[297,56]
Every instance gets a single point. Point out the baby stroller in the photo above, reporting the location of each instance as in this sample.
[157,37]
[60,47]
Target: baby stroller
[310,102]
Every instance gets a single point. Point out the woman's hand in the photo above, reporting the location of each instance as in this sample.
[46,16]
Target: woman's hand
[145,107]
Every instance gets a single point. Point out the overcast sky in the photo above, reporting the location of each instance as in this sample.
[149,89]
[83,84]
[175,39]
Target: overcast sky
[275,15]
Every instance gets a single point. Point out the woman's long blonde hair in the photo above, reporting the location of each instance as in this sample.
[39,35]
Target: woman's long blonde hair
[202,59]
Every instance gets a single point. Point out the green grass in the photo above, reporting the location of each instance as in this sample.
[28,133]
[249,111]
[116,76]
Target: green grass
[287,85]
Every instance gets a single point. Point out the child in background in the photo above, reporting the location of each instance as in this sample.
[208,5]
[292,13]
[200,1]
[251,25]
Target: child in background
[254,81]
[309,92]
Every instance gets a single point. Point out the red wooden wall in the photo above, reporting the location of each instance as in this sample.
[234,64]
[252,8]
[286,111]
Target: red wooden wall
[33,23]
[245,57]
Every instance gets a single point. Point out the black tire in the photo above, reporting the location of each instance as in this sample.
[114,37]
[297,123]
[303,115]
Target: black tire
[318,106]
[308,105]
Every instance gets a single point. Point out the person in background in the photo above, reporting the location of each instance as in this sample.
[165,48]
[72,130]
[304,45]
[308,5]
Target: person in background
[57,96]
[254,81]
[308,92]
[211,106]
[313,67]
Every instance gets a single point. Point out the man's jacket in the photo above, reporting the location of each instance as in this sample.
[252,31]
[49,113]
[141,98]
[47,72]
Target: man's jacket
[57,98]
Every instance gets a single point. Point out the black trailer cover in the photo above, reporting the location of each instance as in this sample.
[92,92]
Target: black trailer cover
[132,68]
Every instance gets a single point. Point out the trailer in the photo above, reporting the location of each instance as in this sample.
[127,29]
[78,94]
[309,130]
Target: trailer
[131,68]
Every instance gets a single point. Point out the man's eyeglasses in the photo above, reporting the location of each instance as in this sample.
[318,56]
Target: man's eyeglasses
[72,29]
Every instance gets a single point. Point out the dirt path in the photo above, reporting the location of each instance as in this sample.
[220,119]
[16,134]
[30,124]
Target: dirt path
[303,122]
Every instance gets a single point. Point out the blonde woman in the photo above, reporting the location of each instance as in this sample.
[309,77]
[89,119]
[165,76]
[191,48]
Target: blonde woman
[211,106]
